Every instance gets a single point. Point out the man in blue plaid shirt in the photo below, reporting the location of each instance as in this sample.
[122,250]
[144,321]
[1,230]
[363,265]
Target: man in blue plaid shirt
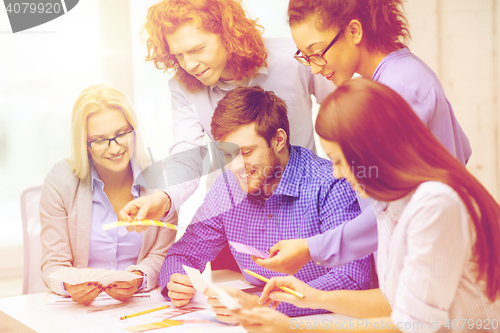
[273,191]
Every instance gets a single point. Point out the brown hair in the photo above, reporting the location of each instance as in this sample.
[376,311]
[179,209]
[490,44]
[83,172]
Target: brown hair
[241,36]
[373,125]
[246,105]
[383,21]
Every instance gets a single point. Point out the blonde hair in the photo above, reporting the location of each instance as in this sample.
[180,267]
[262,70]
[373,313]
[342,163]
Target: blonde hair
[96,99]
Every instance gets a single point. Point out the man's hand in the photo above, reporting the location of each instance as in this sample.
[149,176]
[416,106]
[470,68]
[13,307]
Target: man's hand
[123,290]
[180,289]
[84,293]
[287,256]
[150,207]
[247,301]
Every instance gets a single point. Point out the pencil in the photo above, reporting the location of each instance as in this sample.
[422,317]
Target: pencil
[144,312]
[266,280]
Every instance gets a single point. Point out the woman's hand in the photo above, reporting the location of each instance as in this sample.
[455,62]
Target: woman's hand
[272,292]
[123,290]
[84,293]
[247,301]
[263,320]
[151,207]
[287,256]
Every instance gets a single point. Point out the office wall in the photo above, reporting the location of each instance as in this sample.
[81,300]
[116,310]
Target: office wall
[460,40]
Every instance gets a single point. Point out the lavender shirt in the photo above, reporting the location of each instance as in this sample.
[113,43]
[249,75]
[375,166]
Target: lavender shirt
[413,80]
[116,248]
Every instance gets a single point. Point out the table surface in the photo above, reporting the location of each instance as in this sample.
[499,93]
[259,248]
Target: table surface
[19,313]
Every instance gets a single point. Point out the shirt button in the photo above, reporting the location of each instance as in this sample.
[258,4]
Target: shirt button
[114,244]
[318,263]
[270,216]
[112,263]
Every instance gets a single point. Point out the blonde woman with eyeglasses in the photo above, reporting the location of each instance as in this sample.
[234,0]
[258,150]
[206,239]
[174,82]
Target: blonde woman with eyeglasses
[88,190]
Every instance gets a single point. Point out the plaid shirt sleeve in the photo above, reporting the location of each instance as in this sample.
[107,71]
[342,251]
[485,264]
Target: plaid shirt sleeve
[203,240]
[337,205]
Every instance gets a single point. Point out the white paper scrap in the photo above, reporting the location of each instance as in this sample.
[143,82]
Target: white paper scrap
[196,279]
[227,300]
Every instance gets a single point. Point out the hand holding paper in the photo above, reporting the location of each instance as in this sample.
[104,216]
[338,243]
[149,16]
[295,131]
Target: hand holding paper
[224,300]
[180,289]
[123,290]
[103,277]
[83,293]
[196,279]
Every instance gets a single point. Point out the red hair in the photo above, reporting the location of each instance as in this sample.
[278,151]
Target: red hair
[373,125]
[241,36]
[383,21]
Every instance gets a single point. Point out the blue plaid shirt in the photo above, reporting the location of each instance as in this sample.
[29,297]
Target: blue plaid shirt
[308,201]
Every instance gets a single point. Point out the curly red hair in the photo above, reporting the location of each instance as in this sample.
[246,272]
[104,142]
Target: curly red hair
[240,35]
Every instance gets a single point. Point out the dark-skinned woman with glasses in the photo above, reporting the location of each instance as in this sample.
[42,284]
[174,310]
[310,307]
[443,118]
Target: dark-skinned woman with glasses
[88,190]
[438,228]
[338,38]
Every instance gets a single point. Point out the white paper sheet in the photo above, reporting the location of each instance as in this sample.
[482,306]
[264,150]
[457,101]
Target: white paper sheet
[196,279]
[105,277]
[227,300]
[55,299]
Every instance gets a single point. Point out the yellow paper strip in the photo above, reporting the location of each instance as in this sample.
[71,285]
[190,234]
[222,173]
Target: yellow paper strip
[154,326]
[143,222]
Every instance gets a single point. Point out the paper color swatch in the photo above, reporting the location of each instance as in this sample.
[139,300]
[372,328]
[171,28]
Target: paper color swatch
[105,277]
[242,248]
[154,326]
[143,222]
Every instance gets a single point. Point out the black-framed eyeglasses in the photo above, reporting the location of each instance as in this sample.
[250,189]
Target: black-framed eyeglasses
[317,58]
[121,139]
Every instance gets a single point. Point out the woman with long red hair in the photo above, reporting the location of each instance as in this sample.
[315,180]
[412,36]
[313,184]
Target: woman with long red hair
[438,227]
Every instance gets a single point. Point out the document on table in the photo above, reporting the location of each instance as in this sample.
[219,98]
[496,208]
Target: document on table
[104,316]
[105,277]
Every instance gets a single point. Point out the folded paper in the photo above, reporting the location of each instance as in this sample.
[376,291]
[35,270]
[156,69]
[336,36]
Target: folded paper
[196,279]
[242,248]
[105,277]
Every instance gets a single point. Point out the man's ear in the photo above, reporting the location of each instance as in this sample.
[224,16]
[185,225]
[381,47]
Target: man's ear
[355,31]
[279,140]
